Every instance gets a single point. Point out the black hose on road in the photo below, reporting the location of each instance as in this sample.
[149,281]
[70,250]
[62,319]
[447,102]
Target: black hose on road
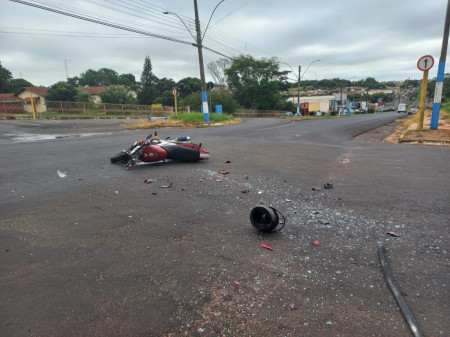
[398,297]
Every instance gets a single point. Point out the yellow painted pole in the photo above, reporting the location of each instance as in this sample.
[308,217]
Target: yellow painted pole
[33,108]
[422,99]
[175,103]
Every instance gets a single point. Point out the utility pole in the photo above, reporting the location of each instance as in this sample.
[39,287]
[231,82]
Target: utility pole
[200,61]
[440,74]
[298,91]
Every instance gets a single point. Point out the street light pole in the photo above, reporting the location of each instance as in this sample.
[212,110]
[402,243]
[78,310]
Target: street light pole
[200,61]
[299,77]
[198,43]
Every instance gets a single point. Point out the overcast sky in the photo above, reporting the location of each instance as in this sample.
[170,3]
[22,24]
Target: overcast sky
[353,39]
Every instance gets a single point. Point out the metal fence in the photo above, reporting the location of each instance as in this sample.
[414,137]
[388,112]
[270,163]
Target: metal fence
[258,113]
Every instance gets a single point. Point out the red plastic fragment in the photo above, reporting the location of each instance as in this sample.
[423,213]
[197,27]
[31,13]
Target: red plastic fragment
[148,181]
[237,283]
[316,243]
[219,180]
[266,246]
[223,171]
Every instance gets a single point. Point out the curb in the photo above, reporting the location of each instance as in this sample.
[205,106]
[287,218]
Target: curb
[424,141]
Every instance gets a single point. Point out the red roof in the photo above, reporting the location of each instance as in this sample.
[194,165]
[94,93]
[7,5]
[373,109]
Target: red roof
[93,90]
[40,91]
[9,97]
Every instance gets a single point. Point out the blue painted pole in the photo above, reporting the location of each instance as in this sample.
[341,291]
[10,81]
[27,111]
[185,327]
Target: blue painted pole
[298,109]
[437,96]
[149,117]
[441,70]
[205,106]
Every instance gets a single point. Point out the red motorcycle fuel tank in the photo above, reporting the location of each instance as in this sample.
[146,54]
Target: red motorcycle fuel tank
[153,153]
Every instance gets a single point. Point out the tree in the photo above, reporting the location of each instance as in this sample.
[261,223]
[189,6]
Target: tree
[82,96]
[61,91]
[17,83]
[371,83]
[126,79]
[106,77]
[164,84]
[118,95]
[89,78]
[147,92]
[188,85]
[5,77]
[255,84]
[217,70]
[102,77]
[166,98]
[218,96]
[225,98]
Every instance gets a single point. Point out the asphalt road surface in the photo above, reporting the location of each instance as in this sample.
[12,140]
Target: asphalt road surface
[100,253]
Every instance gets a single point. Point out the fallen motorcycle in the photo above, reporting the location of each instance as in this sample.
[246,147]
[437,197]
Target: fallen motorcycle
[154,149]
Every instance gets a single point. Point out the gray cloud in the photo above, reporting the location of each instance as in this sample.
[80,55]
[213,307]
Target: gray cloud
[352,38]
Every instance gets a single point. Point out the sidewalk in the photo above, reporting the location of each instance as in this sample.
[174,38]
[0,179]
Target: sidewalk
[408,132]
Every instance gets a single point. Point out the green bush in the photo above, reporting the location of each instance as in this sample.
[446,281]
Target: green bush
[198,117]
[218,96]
[371,110]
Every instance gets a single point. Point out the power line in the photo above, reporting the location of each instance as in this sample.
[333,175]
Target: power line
[111,24]
[143,10]
[228,42]
[45,32]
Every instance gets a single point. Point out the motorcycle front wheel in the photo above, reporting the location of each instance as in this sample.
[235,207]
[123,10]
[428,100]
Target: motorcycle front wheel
[120,157]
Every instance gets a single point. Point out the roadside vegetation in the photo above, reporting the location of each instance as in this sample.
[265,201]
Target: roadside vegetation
[186,120]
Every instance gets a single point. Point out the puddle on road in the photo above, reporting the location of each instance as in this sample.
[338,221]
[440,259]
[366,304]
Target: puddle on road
[28,137]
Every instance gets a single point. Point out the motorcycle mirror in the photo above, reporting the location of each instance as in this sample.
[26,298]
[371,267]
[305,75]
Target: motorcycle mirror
[149,136]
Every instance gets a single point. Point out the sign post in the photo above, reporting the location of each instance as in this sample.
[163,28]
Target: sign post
[424,64]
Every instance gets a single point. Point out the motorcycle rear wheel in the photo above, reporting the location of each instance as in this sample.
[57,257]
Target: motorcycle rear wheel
[120,157]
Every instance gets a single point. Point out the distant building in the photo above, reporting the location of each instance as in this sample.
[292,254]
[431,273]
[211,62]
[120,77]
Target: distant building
[37,93]
[377,91]
[94,92]
[315,103]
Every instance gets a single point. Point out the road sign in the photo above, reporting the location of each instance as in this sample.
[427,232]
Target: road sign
[425,62]
[174,92]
